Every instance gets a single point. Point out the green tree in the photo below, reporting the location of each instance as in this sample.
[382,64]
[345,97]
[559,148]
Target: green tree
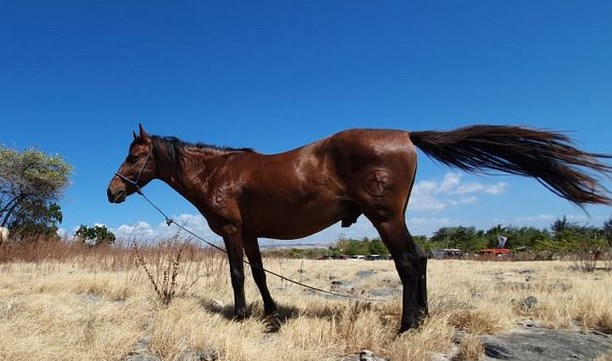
[354,247]
[518,237]
[38,222]
[463,238]
[573,237]
[376,246]
[30,184]
[95,236]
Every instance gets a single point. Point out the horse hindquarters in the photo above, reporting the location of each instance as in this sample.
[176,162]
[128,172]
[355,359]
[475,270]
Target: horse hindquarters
[378,169]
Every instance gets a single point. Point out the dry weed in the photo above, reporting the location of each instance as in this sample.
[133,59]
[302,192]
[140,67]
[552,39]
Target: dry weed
[95,307]
[470,349]
[434,336]
[606,357]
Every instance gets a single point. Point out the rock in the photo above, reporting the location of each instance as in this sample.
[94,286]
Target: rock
[141,357]
[364,273]
[198,355]
[140,351]
[91,298]
[365,355]
[539,344]
[497,351]
[535,343]
[342,285]
[529,323]
[528,303]
[499,285]
[527,271]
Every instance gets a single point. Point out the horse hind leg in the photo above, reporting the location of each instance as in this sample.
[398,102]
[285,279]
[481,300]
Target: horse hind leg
[251,249]
[411,265]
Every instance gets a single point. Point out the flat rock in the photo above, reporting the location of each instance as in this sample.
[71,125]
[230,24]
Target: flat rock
[365,355]
[365,273]
[540,344]
[198,355]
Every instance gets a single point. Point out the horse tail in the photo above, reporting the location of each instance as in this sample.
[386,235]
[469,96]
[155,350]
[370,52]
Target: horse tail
[550,157]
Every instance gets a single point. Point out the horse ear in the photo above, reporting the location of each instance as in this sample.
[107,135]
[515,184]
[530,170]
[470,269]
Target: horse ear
[135,135]
[143,134]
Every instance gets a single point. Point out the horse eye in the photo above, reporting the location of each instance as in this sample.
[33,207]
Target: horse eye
[131,158]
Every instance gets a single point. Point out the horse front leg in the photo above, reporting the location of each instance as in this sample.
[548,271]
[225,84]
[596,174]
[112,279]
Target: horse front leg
[251,248]
[233,246]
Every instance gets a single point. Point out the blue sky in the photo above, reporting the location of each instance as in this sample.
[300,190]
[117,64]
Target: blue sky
[76,78]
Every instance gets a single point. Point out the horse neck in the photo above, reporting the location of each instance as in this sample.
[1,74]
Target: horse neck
[188,173]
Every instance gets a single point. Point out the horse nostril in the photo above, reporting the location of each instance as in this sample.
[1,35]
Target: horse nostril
[116,197]
[109,194]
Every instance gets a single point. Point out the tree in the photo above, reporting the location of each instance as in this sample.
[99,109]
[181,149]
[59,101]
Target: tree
[38,221]
[376,246]
[95,236]
[354,247]
[573,237]
[30,184]
[464,238]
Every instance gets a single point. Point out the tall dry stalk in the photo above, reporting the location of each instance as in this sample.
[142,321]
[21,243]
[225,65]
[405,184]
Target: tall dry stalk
[164,264]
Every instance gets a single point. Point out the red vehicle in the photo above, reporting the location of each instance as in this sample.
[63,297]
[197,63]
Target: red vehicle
[494,252]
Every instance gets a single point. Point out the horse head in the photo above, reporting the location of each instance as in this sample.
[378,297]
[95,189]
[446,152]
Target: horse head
[137,170]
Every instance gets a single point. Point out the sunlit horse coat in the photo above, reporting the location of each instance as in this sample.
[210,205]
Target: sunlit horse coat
[245,195]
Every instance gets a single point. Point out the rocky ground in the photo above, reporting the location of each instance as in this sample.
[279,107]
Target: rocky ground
[528,341]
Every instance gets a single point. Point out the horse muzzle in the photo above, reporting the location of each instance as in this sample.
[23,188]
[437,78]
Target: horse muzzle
[117,196]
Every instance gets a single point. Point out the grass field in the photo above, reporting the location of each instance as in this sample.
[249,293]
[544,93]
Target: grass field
[101,305]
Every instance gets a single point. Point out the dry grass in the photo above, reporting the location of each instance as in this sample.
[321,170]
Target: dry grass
[470,349]
[99,306]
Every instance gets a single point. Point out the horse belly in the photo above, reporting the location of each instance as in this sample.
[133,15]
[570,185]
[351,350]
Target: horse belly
[291,221]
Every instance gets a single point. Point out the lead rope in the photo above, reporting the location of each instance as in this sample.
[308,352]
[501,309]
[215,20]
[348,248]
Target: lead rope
[170,221]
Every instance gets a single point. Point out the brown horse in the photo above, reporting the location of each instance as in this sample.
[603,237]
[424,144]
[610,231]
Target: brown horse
[245,195]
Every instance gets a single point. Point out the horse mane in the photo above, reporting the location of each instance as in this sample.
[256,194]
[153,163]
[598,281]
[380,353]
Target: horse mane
[170,150]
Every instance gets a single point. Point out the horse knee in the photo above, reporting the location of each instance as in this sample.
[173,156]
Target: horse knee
[237,277]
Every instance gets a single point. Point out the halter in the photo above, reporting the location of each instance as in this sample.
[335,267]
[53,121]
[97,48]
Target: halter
[135,182]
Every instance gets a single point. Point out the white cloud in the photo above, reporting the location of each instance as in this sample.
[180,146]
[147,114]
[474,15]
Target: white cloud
[188,226]
[429,221]
[497,188]
[450,191]
[535,219]
[137,231]
[451,182]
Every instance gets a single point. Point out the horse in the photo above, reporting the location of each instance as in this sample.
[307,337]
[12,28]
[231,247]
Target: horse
[245,195]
